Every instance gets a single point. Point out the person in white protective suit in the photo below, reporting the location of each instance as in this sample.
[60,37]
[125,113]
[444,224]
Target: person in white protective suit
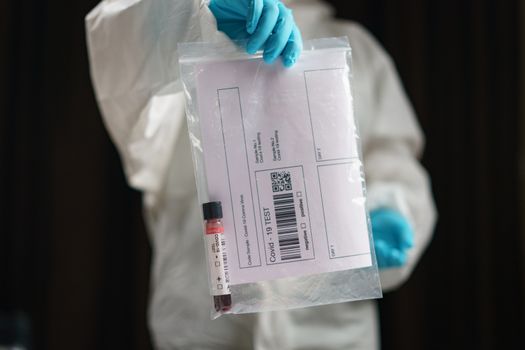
[134,67]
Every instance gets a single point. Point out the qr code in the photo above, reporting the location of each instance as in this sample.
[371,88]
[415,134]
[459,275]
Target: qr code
[281,181]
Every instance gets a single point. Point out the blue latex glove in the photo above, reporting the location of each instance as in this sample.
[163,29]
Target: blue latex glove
[266,24]
[393,236]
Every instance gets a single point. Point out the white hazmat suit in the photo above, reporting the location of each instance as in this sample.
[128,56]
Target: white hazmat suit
[134,66]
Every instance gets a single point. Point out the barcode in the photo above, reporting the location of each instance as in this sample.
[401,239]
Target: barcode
[225,261]
[281,181]
[286,220]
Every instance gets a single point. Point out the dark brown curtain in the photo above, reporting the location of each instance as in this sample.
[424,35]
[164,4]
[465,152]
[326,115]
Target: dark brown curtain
[459,61]
[74,255]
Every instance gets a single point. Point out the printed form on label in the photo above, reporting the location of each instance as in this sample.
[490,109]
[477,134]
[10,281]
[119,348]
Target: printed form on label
[280,152]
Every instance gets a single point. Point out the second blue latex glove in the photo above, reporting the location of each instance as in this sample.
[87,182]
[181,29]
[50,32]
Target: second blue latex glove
[266,24]
[393,236]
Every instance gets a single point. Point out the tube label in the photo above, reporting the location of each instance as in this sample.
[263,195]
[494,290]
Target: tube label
[218,261]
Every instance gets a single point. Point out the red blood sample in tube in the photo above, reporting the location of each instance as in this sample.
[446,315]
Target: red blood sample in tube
[216,254]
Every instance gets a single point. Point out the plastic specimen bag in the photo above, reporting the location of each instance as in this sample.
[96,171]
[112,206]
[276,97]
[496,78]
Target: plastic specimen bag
[276,151]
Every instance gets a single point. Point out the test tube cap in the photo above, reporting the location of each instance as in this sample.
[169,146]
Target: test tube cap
[212,210]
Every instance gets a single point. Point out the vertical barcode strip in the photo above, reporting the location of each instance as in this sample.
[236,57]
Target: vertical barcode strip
[286,220]
[225,260]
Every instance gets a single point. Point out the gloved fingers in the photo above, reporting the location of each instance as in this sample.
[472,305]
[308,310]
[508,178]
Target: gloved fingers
[388,257]
[396,258]
[392,226]
[404,236]
[267,22]
[255,9]
[234,29]
[222,11]
[280,36]
[293,48]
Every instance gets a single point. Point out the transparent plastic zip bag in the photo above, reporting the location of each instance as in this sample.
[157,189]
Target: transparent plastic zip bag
[279,172]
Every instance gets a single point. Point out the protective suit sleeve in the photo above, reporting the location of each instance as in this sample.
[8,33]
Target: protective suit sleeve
[391,147]
[134,68]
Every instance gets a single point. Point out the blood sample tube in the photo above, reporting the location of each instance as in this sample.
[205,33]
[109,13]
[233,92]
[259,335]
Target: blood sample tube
[217,259]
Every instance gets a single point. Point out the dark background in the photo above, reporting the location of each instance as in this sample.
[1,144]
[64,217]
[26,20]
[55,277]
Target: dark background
[74,254]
